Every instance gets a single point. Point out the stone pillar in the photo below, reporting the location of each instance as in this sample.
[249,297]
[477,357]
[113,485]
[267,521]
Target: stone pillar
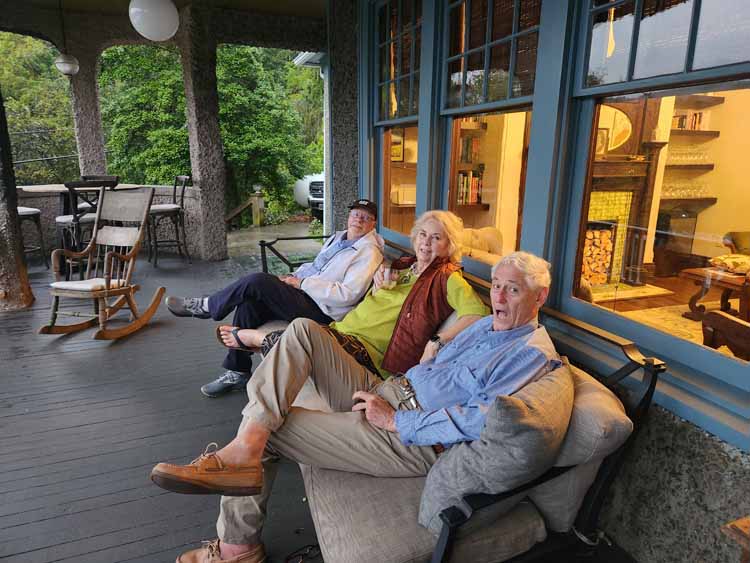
[15,292]
[197,43]
[342,53]
[86,115]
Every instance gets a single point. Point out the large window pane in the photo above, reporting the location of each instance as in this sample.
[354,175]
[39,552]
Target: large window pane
[611,36]
[475,49]
[502,19]
[666,202]
[475,78]
[399,194]
[525,71]
[663,37]
[497,87]
[455,79]
[723,33]
[398,57]
[488,170]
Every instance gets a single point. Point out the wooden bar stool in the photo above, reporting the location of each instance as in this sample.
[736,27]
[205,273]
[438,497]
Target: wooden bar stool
[35,216]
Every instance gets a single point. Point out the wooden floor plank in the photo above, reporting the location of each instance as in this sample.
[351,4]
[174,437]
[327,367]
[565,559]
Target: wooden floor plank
[82,422]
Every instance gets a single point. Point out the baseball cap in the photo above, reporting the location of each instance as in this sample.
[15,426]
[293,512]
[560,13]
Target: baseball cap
[367,205]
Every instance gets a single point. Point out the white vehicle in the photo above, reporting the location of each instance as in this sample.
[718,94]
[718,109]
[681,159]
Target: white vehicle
[308,192]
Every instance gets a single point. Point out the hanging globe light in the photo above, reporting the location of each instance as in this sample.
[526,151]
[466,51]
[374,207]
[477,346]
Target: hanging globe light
[156,20]
[67,64]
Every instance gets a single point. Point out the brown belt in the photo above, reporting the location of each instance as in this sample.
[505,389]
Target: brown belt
[408,401]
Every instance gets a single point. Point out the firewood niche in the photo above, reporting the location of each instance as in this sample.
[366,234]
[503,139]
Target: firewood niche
[617,240]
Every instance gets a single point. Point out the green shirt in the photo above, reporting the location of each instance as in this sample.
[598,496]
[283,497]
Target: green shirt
[373,321]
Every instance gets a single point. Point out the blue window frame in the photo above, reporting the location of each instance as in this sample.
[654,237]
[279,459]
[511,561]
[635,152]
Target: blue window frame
[707,388]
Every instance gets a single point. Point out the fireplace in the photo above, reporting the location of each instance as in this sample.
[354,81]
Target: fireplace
[598,251]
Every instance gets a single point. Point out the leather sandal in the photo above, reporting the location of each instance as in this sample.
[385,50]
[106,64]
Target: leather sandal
[235,333]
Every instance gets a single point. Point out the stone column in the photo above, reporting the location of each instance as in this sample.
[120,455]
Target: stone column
[197,44]
[86,115]
[344,154]
[15,292]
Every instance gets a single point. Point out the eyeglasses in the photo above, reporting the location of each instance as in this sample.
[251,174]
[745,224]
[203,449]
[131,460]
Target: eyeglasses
[363,215]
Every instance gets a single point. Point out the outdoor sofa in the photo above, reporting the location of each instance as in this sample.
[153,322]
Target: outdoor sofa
[531,487]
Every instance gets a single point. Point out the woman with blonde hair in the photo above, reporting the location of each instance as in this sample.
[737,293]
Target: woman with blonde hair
[396,325]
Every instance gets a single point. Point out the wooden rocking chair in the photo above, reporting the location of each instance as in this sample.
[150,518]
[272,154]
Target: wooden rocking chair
[109,261]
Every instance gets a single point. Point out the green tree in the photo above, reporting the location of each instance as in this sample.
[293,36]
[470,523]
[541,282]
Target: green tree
[37,103]
[268,136]
[143,112]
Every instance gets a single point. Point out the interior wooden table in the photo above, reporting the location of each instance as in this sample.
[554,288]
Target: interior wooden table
[730,284]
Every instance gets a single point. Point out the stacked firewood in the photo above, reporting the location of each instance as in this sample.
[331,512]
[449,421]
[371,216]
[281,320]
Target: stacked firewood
[597,256]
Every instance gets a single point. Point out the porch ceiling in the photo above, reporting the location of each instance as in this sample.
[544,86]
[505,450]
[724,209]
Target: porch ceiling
[305,8]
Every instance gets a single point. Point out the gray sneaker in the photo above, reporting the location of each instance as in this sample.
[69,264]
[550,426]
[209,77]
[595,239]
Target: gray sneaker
[187,307]
[228,381]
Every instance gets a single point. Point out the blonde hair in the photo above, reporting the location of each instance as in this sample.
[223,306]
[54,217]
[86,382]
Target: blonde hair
[452,225]
[536,270]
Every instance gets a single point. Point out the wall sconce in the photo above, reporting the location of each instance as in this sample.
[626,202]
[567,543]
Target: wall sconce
[66,64]
[156,20]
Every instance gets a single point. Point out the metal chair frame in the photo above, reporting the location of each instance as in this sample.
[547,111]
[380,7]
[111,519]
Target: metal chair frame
[176,218]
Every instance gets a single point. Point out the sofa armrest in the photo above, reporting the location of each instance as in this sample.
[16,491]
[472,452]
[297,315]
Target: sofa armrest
[454,517]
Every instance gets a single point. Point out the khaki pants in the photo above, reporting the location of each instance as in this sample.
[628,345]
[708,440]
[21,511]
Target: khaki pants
[341,440]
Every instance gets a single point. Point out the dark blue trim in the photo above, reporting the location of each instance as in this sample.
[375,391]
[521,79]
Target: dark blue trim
[501,105]
[692,35]
[546,121]
[428,150]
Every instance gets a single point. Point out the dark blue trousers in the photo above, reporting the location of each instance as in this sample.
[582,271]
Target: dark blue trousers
[256,299]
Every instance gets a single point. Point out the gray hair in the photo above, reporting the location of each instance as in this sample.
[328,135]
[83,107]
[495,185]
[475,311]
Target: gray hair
[536,270]
[452,225]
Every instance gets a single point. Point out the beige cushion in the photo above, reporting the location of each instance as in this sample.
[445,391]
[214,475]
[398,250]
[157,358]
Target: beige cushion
[87,218]
[598,426]
[362,518]
[520,440]
[94,284]
[493,238]
[734,263]
[27,211]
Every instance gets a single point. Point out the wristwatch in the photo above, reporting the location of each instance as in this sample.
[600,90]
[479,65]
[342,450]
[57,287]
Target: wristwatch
[436,339]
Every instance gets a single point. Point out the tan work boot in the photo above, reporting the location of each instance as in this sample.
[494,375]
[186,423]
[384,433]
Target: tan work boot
[210,552]
[208,475]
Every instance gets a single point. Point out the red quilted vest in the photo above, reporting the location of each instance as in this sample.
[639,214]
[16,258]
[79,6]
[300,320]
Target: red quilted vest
[424,310]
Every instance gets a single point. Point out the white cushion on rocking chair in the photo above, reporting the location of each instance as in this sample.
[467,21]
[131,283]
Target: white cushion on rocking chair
[94,284]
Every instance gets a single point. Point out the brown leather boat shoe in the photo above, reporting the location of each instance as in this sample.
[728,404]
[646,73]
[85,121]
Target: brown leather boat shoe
[211,553]
[208,475]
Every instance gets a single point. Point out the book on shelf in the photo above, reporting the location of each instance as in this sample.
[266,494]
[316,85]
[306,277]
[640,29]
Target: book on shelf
[469,187]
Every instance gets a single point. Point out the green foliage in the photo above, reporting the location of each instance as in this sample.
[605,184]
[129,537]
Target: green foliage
[316,228]
[37,103]
[263,119]
[143,111]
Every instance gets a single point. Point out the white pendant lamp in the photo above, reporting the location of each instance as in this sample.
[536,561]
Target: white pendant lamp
[66,64]
[156,20]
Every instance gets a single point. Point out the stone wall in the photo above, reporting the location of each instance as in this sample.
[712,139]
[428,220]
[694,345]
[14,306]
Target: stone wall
[678,486]
[342,52]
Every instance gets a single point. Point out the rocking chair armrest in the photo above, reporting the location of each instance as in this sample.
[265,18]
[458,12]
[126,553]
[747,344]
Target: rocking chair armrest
[68,255]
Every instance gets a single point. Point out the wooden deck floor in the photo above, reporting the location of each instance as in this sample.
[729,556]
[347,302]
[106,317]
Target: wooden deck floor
[83,421]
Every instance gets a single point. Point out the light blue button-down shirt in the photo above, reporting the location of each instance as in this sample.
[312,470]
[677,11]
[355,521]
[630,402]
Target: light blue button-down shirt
[458,386]
[324,256]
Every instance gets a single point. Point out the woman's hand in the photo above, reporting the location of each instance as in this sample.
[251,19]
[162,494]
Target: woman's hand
[379,281]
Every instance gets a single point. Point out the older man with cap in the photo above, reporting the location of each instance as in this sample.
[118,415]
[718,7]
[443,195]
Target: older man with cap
[323,290]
